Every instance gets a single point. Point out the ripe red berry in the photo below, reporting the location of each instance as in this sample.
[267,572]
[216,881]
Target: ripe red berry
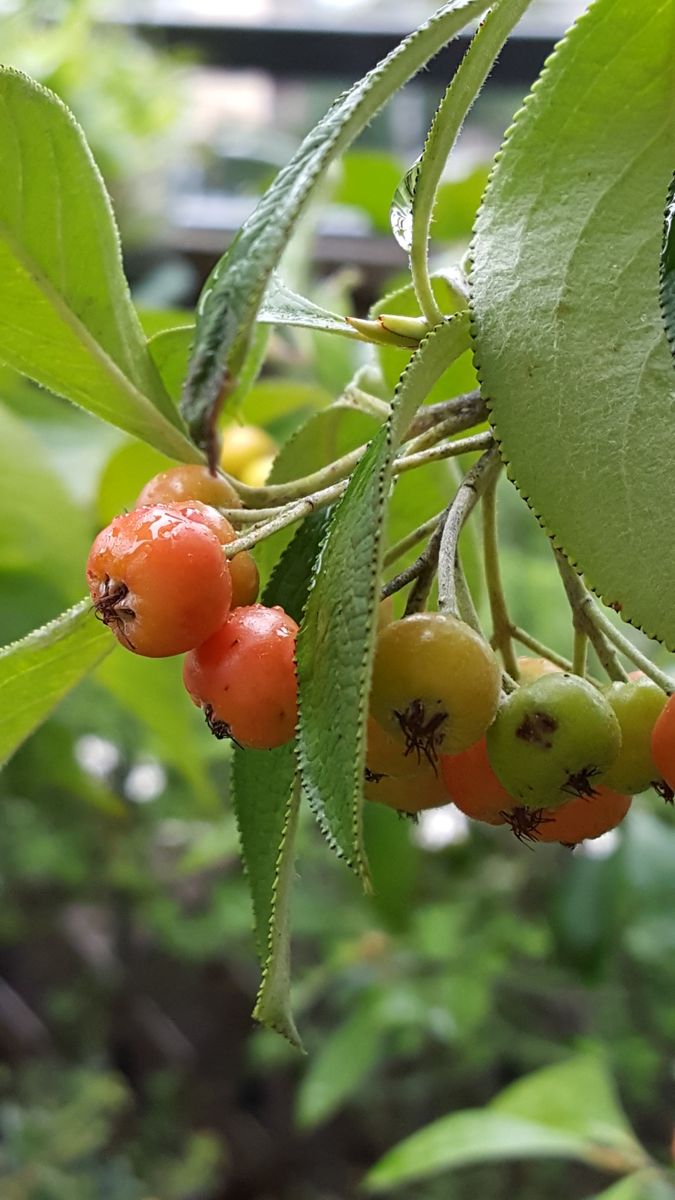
[578,821]
[243,569]
[473,786]
[159,581]
[663,744]
[244,678]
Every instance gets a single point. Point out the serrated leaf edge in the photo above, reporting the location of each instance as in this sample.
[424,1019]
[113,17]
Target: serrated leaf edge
[553,538]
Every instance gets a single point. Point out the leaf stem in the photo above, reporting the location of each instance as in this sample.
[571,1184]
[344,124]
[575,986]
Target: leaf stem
[501,623]
[468,495]
[540,649]
[626,647]
[580,652]
[410,462]
[411,539]
[584,621]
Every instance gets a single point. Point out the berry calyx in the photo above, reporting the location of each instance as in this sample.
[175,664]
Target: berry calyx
[243,678]
[578,821]
[159,581]
[552,740]
[435,685]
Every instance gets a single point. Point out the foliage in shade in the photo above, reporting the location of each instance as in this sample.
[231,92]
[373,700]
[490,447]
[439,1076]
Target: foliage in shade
[569,338]
[233,293]
[266,807]
[565,1111]
[38,671]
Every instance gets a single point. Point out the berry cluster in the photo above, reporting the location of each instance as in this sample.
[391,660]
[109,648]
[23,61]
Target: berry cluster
[159,580]
[558,760]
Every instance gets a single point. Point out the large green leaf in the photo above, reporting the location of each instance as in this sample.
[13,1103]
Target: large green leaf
[668,267]
[569,1111]
[66,319]
[344,1059]
[335,645]
[569,338]
[234,291]
[266,807]
[38,671]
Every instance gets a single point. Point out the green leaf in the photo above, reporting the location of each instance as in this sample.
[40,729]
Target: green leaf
[568,1110]
[170,351]
[668,267]
[38,671]
[466,1138]
[643,1185]
[577,1097]
[282,306]
[335,644]
[338,1069]
[42,529]
[568,333]
[153,692]
[66,319]
[235,288]
[126,472]
[266,807]
[420,185]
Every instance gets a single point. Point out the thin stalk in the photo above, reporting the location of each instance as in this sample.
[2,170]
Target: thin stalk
[467,497]
[501,623]
[540,649]
[578,598]
[469,408]
[626,647]
[280,518]
[372,405]
[468,445]
[448,120]
[580,652]
[411,539]
[428,564]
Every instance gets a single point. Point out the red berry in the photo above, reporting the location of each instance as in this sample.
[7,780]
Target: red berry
[159,581]
[244,678]
[663,744]
[189,482]
[243,569]
[473,785]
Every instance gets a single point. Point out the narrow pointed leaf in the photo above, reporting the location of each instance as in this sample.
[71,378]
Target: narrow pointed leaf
[234,291]
[38,671]
[66,319]
[266,806]
[335,645]
[569,337]
[668,268]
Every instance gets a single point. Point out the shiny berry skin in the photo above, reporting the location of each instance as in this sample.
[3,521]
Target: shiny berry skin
[663,744]
[578,821]
[411,795]
[159,581]
[244,678]
[552,740]
[637,705]
[240,445]
[190,482]
[243,569]
[436,684]
[473,786]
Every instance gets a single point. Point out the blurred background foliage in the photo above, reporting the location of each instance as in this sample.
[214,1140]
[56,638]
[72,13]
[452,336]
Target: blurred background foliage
[132,1070]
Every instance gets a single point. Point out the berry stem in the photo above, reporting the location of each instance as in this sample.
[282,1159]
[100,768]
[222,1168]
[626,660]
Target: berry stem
[501,624]
[411,539]
[468,494]
[539,648]
[584,621]
[580,652]
[626,647]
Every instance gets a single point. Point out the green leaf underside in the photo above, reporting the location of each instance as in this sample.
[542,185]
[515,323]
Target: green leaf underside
[37,672]
[66,319]
[234,291]
[335,644]
[668,268]
[282,306]
[569,339]
[266,806]
[568,1110]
